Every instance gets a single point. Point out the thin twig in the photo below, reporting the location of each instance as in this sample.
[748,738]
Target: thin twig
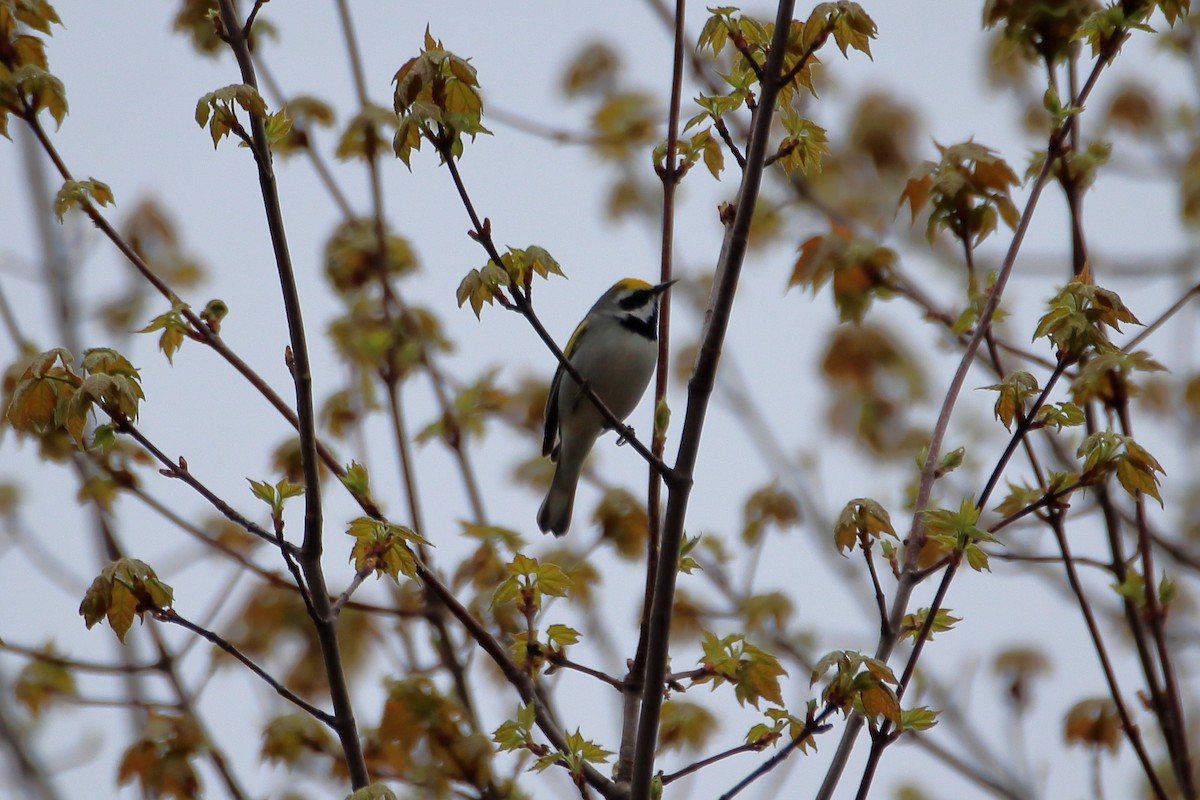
[559,660]
[173,617]
[748,747]
[530,692]
[816,725]
[1130,728]
[344,597]
[78,664]
[671,173]
[880,599]
[1172,721]
[180,471]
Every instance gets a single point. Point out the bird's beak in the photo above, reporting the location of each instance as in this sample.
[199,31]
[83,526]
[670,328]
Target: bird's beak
[662,287]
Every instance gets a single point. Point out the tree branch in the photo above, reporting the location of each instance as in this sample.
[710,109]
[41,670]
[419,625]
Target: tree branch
[699,392]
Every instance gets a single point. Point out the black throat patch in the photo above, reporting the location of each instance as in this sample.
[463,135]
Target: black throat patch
[647,328]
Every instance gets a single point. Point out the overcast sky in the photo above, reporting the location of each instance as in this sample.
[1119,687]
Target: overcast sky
[132,87]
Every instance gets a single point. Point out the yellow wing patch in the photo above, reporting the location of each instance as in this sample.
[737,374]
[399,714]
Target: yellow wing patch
[573,342]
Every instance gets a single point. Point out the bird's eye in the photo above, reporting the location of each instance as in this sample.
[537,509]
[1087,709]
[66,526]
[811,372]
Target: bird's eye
[635,299]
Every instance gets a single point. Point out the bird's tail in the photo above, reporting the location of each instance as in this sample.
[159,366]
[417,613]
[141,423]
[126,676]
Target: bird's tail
[555,514]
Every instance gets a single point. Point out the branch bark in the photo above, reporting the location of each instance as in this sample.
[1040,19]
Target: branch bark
[679,481]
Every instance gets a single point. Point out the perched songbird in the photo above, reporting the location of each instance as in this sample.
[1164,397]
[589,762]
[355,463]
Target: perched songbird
[614,349]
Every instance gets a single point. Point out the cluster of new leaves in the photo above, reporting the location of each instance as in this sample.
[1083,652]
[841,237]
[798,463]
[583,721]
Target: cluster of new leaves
[1042,29]
[517,734]
[1012,396]
[1078,317]
[956,532]
[175,328]
[769,505]
[804,145]
[382,547]
[862,684]
[527,584]
[1059,486]
[374,334]
[355,260]
[846,21]
[1133,589]
[623,523]
[293,739]
[766,733]
[805,142]
[273,625]
[160,760]
[361,139]
[1137,470]
[517,267]
[217,111]
[684,725]
[378,341]
[26,84]
[1107,377]
[1107,28]
[425,738]
[50,396]
[358,482]
[275,496]
[875,382]
[861,521]
[304,112]
[912,625]
[967,190]
[81,194]
[124,589]
[470,409]
[753,672]
[437,98]
[701,145]
[859,268]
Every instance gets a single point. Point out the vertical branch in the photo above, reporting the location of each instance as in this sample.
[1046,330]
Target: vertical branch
[324,621]
[679,481]
[1127,724]
[671,173]
[1171,716]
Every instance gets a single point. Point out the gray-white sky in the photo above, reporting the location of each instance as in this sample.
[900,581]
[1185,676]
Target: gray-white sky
[132,87]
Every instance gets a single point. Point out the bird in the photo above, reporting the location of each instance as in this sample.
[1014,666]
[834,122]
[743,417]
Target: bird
[614,349]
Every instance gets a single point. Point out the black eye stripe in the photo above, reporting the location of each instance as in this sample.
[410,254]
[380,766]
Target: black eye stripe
[635,299]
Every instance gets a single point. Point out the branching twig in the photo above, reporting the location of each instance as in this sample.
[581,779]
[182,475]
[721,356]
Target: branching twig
[173,617]
[916,537]
[530,692]
[814,726]
[344,597]
[748,747]
[179,470]
[559,660]
[323,620]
